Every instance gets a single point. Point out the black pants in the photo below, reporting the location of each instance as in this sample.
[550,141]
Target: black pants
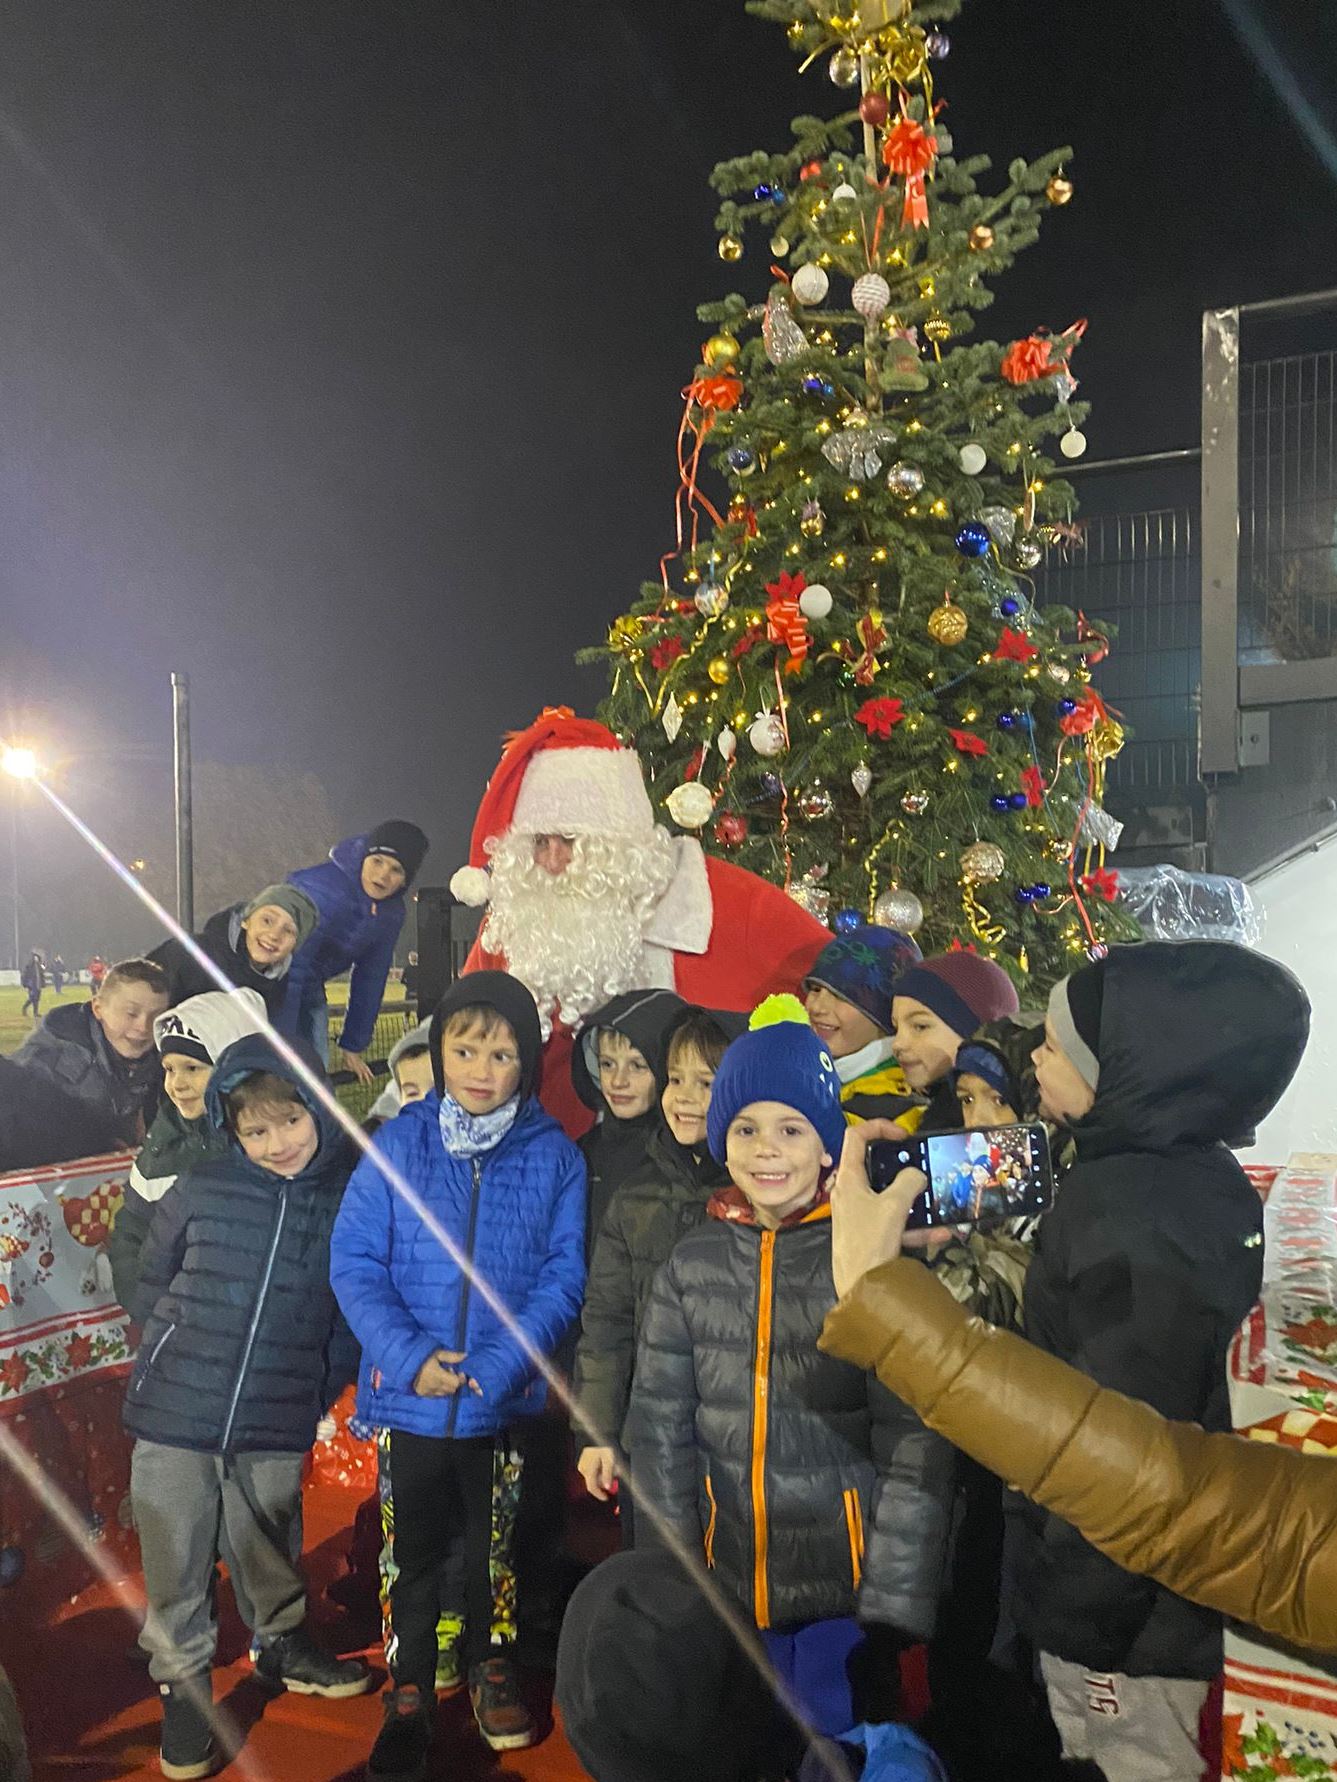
[442,1494]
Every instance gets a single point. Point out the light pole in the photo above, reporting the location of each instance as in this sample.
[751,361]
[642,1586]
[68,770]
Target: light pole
[20,764]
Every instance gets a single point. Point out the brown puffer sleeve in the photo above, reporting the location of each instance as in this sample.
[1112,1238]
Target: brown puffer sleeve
[1244,1527]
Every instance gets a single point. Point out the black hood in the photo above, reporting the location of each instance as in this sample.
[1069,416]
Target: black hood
[646,1017]
[1198,1041]
[507,995]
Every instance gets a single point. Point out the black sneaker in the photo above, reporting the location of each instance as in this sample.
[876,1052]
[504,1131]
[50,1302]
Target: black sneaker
[400,1751]
[295,1662]
[503,1719]
[187,1733]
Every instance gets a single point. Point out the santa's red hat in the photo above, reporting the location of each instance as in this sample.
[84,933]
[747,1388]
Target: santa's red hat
[563,776]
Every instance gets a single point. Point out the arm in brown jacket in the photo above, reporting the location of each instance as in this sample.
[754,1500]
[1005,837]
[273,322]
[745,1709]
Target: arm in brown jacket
[1244,1527]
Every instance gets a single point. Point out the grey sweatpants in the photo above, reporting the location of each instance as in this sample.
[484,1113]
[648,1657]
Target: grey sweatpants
[189,1507]
[1138,1729]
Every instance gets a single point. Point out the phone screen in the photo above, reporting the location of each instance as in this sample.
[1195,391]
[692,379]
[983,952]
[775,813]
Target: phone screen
[997,1172]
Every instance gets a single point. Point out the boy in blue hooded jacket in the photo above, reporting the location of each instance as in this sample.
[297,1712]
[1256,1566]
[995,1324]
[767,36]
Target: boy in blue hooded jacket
[443,1373]
[359,892]
[242,1351]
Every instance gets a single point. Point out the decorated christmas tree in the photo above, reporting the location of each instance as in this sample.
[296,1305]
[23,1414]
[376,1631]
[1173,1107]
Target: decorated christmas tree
[841,678]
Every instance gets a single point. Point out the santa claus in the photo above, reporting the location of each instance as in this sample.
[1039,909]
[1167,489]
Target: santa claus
[588,896]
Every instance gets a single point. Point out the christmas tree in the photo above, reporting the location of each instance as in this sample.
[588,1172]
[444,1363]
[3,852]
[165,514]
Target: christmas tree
[841,679]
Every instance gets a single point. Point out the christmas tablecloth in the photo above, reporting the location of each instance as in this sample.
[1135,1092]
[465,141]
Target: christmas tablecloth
[1280,1709]
[64,1354]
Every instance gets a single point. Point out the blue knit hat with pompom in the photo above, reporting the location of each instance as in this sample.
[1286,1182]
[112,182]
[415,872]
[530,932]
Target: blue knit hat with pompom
[781,1059]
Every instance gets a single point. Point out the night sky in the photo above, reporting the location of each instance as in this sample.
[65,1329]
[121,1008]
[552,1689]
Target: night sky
[341,343]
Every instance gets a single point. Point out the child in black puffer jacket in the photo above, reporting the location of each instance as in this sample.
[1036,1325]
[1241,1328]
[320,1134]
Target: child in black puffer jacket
[815,1494]
[237,1363]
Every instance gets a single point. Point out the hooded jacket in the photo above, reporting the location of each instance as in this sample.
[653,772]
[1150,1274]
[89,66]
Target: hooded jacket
[388,1103]
[1247,1528]
[1152,1255]
[222,940]
[67,1058]
[614,1148]
[517,1216]
[353,932]
[242,1348]
[174,1144]
[813,1489]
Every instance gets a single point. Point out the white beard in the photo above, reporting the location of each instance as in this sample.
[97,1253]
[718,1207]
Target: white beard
[578,939]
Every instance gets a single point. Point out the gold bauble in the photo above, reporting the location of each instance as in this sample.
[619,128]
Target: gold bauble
[1059,189]
[982,862]
[718,669]
[980,238]
[736,513]
[720,349]
[1058,848]
[729,248]
[947,624]
[937,328]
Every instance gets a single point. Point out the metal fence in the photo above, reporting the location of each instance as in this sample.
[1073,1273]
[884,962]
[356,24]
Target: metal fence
[392,1024]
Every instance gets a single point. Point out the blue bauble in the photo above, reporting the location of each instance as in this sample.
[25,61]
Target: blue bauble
[1039,890]
[828,388]
[1009,607]
[999,801]
[1024,893]
[1006,720]
[771,785]
[973,539]
[813,385]
[1066,707]
[12,1565]
[937,44]
[778,195]
[1017,800]
[847,921]
[761,192]
[740,458]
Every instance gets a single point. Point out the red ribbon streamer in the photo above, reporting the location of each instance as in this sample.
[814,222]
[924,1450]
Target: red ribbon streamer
[711,395]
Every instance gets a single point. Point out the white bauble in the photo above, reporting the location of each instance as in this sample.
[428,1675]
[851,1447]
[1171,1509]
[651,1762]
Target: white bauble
[871,296]
[690,805]
[727,743]
[810,285]
[815,602]
[899,909]
[1073,443]
[973,458]
[767,734]
[844,194]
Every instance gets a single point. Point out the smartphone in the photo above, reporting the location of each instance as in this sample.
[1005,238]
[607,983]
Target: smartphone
[997,1172]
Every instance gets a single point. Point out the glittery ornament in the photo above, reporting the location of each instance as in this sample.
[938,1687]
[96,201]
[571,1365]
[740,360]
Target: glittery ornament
[690,805]
[938,45]
[847,921]
[973,458]
[814,802]
[947,624]
[914,803]
[780,333]
[981,238]
[726,742]
[717,671]
[810,284]
[1059,672]
[812,897]
[937,328]
[861,778]
[871,296]
[1028,552]
[1002,524]
[766,734]
[741,459]
[900,910]
[905,480]
[843,67]
[710,600]
[982,862]
[857,449]
[729,248]
[671,717]
[731,830]
[816,601]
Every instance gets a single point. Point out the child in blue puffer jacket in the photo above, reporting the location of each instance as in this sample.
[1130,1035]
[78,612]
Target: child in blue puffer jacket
[444,1375]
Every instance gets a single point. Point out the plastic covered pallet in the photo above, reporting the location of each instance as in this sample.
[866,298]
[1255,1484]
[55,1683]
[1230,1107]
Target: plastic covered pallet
[1174,905]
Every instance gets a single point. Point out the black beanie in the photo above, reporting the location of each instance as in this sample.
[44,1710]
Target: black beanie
[403,842]
[507,995]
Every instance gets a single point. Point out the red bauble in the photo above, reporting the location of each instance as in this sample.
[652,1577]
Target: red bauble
[810,170]
[731,830]
[875,109]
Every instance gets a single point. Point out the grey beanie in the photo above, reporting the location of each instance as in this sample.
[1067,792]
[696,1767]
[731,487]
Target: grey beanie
[293,902]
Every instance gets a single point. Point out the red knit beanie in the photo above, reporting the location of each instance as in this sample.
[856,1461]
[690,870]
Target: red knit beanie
[961,989]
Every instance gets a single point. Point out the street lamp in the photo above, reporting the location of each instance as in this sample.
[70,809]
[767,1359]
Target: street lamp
[20,764]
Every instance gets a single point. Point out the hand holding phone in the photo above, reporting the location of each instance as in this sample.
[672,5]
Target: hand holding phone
[979,1176]
[867,1226]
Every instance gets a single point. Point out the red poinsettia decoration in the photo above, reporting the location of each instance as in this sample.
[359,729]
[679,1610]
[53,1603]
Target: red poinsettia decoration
[1033,785]
[1026,360]
[667,650]
[748,641]
[13,1373]
[785,623]
[1101,883]
[80,1350]
[954,946]
[968,743]
[731,830]
[1014,646]
[879,717]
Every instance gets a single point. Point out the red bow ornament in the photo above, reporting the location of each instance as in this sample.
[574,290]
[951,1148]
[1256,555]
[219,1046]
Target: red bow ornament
[785,623]
[910,150]
[873,637]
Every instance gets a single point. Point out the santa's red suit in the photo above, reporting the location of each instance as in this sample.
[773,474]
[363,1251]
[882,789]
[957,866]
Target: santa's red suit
[719,936]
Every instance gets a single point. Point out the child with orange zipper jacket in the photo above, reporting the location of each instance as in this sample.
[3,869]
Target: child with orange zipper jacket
[820,1501]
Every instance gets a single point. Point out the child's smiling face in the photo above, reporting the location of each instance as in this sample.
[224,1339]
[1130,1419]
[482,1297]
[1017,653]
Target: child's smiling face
[926,1047]
[841,1026]
[775,1157]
